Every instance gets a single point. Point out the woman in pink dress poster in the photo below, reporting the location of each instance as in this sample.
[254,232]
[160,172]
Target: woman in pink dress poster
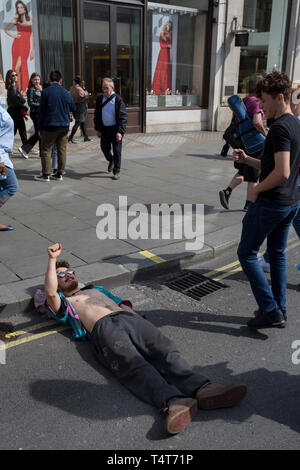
[23,44]
[162,76]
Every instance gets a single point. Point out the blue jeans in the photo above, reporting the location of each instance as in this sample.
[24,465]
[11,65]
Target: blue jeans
[54,157]
[296,224]
[266,219]
[8,186]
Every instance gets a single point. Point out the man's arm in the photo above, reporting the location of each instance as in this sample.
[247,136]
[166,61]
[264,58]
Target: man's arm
[280,174]
[258,124]
[239,156]
[51,284]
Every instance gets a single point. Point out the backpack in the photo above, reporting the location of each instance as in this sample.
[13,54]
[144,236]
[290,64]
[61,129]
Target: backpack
[252,139]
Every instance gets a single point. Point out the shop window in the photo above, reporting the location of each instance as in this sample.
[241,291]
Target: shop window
[56,38]
[128,55]
[175,72]
[97,47]
[267,19]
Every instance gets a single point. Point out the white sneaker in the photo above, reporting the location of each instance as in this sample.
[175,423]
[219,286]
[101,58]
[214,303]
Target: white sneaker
[23,153]
[266,266]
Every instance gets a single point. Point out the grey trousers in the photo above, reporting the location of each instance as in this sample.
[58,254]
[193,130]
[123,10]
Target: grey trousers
[145,361]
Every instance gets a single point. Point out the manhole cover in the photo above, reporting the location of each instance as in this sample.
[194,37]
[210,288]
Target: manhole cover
[194,285]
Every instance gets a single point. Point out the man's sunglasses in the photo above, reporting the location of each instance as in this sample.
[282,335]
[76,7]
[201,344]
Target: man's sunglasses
[63,274]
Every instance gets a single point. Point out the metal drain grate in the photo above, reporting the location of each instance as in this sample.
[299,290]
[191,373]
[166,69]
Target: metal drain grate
[194,285]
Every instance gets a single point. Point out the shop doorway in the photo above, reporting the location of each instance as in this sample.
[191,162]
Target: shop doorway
[113,48]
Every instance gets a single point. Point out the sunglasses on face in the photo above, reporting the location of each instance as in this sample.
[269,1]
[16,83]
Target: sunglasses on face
[14,75]
[64,273]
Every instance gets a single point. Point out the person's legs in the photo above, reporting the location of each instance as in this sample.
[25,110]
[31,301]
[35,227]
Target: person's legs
[54,158]
[47,141]
[34,138]
[106,141]
[8,186]
[117,155]
[22,129]
[113,342]
[61,145]
[84,132]
[226,193]
[296,223]
[276,245]
[74,130]
[261,219]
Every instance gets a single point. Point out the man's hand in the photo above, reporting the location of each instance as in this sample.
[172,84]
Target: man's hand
[54,251]
[239,156]
[119,137]
[3,169]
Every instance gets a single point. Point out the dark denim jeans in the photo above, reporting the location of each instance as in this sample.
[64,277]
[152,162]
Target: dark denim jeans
[296,224]
[266,219]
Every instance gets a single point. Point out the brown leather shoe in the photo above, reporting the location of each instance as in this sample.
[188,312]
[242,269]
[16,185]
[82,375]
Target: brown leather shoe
[214,396]
[180,414]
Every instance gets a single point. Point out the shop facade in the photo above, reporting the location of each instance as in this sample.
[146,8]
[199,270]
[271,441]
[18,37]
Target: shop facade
[174,62]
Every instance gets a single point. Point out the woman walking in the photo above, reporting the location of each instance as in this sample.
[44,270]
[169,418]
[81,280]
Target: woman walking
[80,97]
[16,105]
[34,94]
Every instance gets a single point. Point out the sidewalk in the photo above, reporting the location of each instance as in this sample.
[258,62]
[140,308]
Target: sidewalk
[180,168]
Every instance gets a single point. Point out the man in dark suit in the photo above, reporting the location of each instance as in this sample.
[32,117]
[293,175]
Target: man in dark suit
[110,123]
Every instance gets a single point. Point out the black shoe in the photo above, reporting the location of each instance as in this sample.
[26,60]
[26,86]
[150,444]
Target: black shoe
[87,139]
[56,176]
[274,319]
[224,199]
[71,141]
[110,167]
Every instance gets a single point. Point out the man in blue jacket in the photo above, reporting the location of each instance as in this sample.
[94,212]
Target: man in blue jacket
[54,122]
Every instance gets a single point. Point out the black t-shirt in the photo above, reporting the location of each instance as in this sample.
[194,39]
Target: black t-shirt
[283,136]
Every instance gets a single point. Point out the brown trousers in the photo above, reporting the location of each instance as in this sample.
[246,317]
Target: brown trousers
[48,139]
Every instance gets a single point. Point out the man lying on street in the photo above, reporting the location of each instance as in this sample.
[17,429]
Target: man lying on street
[144,361]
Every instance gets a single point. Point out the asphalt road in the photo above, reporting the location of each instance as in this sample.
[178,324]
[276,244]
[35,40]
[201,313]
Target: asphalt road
[54,395]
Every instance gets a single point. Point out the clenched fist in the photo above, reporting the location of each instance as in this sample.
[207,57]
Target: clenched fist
[54,251]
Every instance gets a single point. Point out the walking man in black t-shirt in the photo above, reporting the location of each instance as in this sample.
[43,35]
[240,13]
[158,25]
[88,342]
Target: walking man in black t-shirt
[275,202]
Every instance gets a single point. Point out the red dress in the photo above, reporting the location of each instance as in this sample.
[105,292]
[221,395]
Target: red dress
[162,75]
[21,49]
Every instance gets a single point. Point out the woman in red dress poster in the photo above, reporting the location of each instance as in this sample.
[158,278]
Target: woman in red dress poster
[162,76]
[23,44]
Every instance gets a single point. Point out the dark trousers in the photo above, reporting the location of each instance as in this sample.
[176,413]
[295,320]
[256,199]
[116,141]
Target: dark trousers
[142,359]
[35,137]
[108,143]
[75,128]
[19,124]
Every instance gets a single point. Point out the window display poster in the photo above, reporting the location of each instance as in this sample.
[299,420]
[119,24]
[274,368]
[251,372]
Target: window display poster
[19,35]
[164,53]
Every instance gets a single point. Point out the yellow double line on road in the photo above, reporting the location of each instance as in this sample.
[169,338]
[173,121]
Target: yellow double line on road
[217,275]
[34,337]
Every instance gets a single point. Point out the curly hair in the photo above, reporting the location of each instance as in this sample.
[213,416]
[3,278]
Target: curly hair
[274,84]
[62,264]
